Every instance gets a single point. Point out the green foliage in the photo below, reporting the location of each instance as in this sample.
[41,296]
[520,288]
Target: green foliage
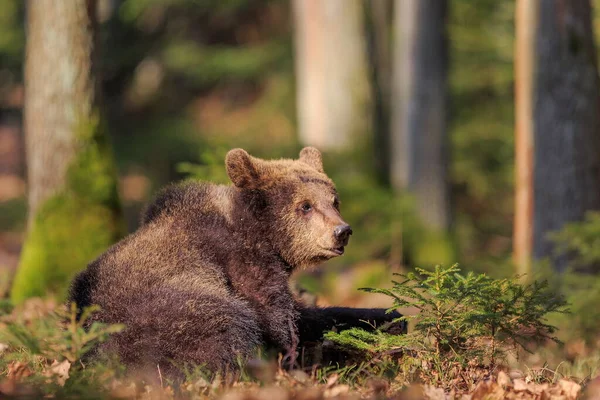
[371,342]
[463,320]
[210,167]
[134,9]
[45,337]
[50,343]
[582,291]
[12,41]
[481,133]
[226,78]
[12,214]
[204,66]
[580,241]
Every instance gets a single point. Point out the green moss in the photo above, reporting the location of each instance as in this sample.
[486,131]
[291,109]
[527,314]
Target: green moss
[75,225]
[92,174]
[68,233]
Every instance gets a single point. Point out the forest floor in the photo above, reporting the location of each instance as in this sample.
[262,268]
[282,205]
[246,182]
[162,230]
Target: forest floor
[48,364]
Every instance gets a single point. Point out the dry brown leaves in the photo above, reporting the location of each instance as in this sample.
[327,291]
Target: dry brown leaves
[503,387]
[11,385]
[592,391]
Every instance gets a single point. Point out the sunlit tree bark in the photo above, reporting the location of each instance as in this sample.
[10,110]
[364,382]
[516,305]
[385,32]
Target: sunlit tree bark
[525,23]
[332,77]
[74,210]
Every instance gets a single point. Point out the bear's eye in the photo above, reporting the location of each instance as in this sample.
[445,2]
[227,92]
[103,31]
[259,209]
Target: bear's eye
[336,203]
[306,207]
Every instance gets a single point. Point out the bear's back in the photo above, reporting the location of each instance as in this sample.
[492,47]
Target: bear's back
[200,199]
[166,282]
[178,244]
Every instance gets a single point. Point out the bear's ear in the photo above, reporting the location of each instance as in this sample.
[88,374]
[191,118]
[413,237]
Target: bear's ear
[243,169]
[312,157]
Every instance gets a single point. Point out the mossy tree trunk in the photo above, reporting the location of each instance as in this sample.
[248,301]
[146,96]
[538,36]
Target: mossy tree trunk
[74,211]
[333,101]
[564,115]
[419,159]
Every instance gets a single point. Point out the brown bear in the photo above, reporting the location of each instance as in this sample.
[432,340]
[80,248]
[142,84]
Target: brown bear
[205,279]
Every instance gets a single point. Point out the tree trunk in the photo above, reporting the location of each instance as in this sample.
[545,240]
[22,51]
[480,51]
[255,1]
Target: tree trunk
[74,211]
[378,33]
[419,162]
[565,94]
[525,23]
[332,76]
[59,90]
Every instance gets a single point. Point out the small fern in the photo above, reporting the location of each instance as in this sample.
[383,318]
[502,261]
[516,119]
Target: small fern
[60,335]
[463,320]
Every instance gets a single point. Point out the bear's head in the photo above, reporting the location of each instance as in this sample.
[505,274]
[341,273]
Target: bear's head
[296,202]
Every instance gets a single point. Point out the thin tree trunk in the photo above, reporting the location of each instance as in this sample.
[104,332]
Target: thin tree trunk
[525,24]
[566,115]
[331,69]
[378,33]
[74,210]
[419,161]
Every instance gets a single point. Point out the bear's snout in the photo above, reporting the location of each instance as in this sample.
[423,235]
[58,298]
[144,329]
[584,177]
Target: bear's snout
[342,234]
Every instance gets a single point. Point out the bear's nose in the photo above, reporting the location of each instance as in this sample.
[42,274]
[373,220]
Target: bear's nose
[342,233]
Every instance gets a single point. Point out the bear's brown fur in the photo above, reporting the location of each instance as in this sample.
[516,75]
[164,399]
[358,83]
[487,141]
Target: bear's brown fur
[204,280]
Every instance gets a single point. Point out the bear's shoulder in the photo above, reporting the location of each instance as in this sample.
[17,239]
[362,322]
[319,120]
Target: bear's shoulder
[186,197]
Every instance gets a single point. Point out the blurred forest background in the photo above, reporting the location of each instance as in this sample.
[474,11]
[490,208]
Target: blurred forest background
[412,102]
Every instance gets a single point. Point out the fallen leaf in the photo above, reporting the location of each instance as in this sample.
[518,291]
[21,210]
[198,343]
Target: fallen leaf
[309,393]
[569,388]
[18,370]
[59,371]
[516,374]
[434,393]
[413,392]
[488,390]
[11,389]
[332,380]
[122,390]
[300,376]
[273,392]
[503,379]
[378,386]
[592,390]
[520,385]
[336,391]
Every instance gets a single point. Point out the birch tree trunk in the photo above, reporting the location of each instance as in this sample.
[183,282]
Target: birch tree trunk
[564,94]
[333,95]
[74,211]
[419,161]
